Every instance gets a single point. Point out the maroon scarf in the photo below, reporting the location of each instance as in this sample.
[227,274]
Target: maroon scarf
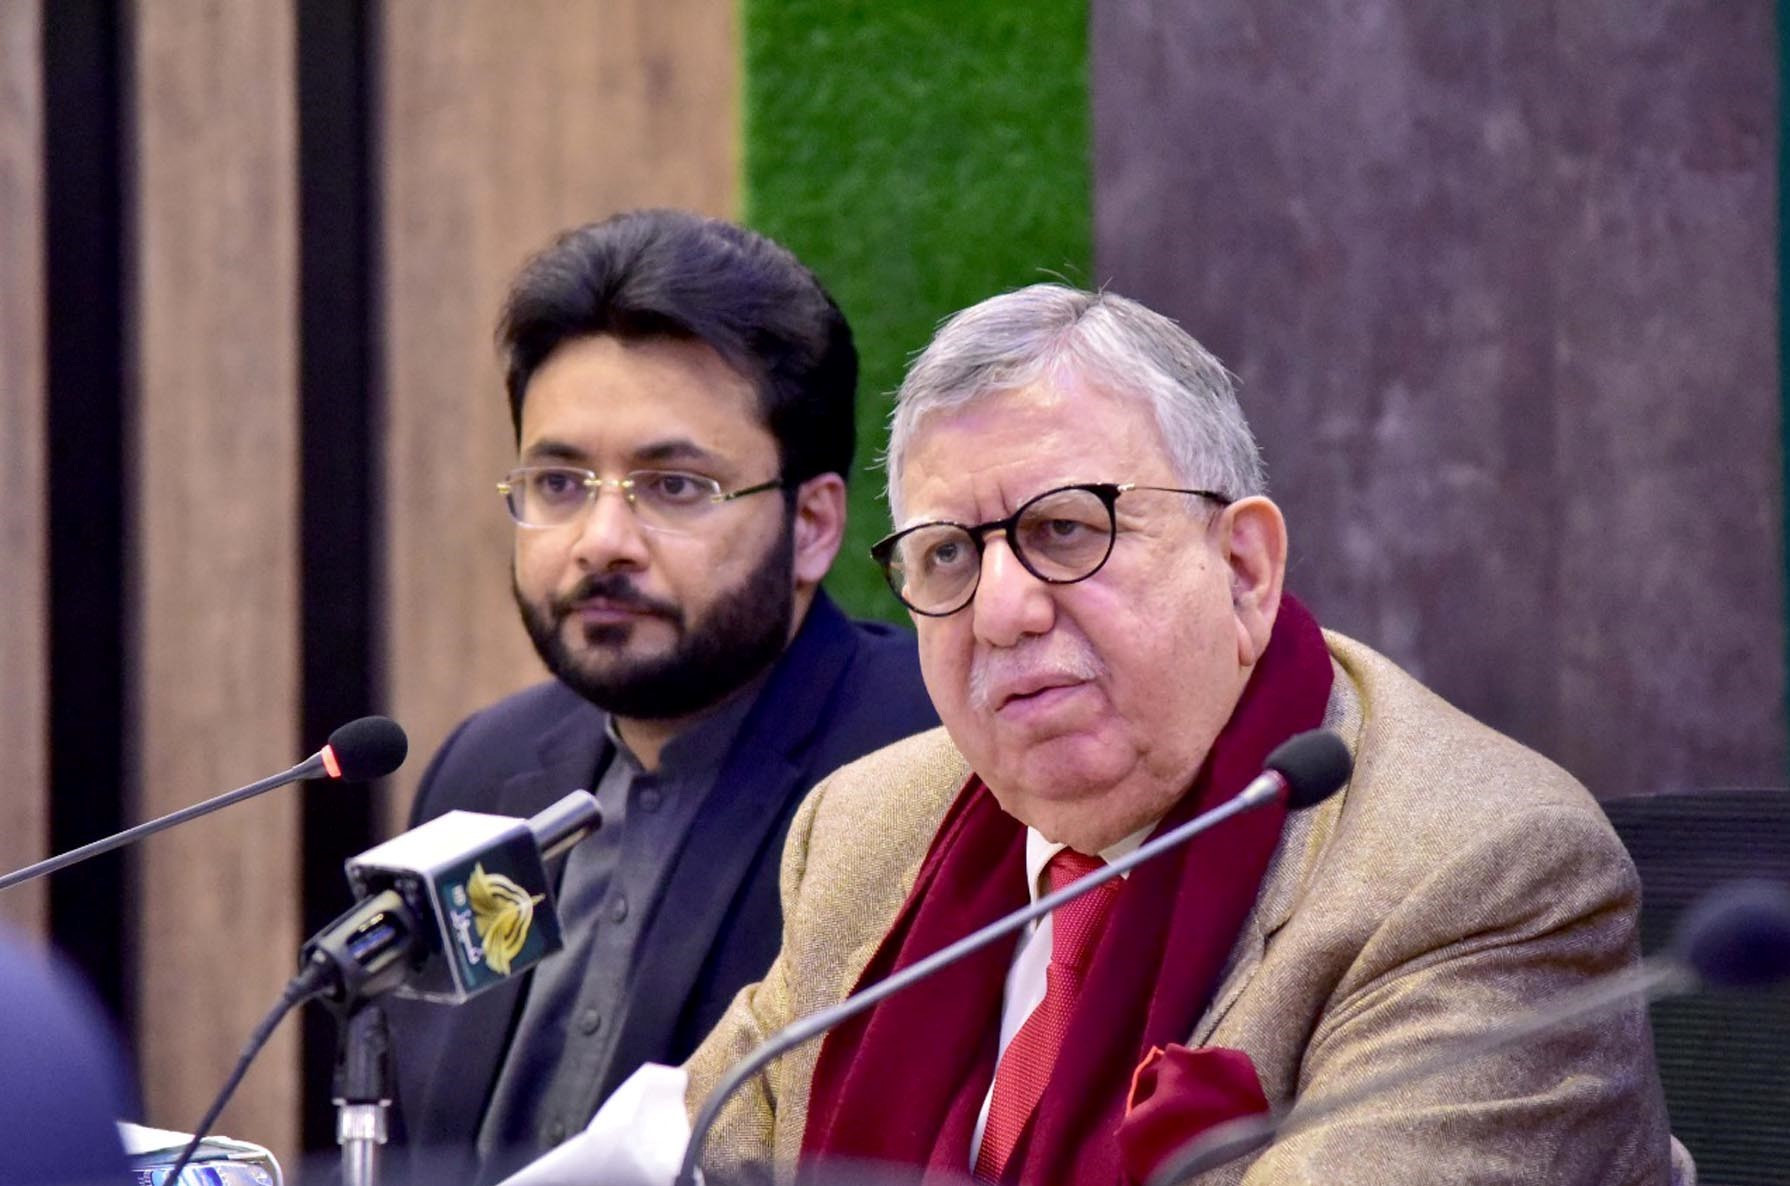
[905,1081]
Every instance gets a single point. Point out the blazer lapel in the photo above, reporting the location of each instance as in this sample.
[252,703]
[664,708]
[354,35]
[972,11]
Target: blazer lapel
[571,753]
[474,1032]
[1274,905]
[1302,841]
[757,790]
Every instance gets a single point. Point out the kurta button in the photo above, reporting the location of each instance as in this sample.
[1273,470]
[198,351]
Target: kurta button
[590,1021]
[556,1132]
[618,909]
[649,800]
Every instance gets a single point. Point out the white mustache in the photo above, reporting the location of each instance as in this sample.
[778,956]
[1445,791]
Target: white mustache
[992,671]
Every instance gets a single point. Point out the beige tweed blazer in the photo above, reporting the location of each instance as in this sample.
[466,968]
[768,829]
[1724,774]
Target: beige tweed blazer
[1458,879]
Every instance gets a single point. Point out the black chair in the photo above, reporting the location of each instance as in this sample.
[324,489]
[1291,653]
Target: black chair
[1724,1056]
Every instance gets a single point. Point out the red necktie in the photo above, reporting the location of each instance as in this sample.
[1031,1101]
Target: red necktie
[1025,1066]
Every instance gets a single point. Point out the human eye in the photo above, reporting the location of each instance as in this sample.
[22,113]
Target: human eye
[942,554]
[1061,526]
[667,488]
[555,487]
[1065,529]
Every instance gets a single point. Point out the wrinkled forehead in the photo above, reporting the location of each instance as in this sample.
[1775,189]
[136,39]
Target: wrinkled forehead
[1002,447]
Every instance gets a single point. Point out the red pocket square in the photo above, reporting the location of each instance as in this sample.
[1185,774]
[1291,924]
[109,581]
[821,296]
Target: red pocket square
[1178,1093]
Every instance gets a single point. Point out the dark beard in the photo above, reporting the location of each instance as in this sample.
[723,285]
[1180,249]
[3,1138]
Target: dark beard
[742,634]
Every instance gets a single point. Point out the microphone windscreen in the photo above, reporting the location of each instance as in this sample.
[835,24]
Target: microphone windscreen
[1738,934]
[1315,765]
[371,747]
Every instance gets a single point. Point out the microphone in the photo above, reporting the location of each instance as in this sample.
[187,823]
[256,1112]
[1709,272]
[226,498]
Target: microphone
[460,872]
[449,908]
[369,748]
[1735,936]
[1305,769]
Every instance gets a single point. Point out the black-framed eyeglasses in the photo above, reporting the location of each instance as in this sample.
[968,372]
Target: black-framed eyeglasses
[667,501]
[1061,536]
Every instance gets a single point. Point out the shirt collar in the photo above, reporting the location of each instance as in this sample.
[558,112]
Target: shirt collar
[697,753]
[1039,851]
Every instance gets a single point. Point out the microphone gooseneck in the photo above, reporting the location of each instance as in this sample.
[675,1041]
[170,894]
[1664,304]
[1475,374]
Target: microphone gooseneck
[368,748]
[1306,769]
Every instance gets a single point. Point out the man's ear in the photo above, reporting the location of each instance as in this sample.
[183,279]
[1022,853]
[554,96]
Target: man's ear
[819,527]
[1253,538]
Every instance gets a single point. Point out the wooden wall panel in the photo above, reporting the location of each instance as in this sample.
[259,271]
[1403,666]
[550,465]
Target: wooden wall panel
[1499,282]
[24,620]
[215,553]
[502,125]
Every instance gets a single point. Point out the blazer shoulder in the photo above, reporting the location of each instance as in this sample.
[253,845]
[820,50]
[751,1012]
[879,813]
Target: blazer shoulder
[533,709]
[874,696]
[1414,739]
[496,742]
[882,809]
[887,670]
[918,771]
[1433,786]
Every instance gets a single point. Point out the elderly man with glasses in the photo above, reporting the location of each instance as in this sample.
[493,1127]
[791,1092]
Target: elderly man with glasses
[682,392]
[1096,577]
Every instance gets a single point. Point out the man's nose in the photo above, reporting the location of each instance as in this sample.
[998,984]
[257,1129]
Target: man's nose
[609,534]
[1010,602]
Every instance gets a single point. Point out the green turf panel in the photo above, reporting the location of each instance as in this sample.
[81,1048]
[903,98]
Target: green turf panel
[919,155]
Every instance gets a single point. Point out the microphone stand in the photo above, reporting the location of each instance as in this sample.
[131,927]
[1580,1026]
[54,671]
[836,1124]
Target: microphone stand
[362,954]
[364,1087]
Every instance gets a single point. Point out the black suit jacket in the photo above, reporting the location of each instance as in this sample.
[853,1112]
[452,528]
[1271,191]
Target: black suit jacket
[841,690]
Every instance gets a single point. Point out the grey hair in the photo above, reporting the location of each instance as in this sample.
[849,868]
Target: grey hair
[1051,332]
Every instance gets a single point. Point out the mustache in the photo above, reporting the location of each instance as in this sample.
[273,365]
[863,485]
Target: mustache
[614,587]
[1059,655]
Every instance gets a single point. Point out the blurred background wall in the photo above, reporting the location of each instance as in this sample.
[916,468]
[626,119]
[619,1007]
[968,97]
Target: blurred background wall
[1500,282]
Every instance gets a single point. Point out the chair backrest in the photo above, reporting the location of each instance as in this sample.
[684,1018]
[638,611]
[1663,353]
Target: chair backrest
[1724,1056]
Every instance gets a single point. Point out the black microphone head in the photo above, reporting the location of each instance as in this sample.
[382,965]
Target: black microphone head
[1738,934]
[371,747]
[1315,765]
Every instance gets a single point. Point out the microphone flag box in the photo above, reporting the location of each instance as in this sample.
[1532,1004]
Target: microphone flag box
[478,881]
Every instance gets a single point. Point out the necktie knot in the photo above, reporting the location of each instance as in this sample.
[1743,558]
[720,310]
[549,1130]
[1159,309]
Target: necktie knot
[1077,925]
[1069,867]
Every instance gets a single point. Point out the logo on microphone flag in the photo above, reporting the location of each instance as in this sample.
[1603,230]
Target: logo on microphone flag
[502,911]
[499,916]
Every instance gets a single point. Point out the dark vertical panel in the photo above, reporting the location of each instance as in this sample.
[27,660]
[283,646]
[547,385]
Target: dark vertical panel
[1490,276]
[1783,210]
[83,65]
[24,577]
[337,398]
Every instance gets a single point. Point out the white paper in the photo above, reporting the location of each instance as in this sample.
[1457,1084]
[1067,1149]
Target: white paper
[637,1138]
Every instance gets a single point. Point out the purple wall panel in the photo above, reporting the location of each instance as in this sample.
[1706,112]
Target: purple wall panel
[1500,284]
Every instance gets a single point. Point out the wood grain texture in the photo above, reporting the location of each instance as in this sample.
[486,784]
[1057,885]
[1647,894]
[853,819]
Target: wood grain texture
[501,126]
[24,580]
[1499,284]
[215,563]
